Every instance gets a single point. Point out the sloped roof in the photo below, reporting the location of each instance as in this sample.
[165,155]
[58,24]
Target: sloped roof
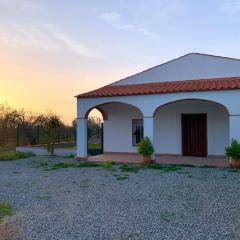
[213,84]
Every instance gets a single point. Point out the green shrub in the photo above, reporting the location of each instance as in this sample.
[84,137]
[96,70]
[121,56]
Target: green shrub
[233,150]
[108,164]
[145,147]
[5,210]
[11,155]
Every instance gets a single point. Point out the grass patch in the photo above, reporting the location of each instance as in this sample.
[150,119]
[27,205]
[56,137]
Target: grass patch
[88,165]
[74,165]
[130,168]
[154,166]
[45,196]
[42,163]
[63,165]
[234,170]
[12,155]
[108,164]
[163,168]
[5,210]
[171,168]
[122,177]
[70,156]
[94,146]
[207,166]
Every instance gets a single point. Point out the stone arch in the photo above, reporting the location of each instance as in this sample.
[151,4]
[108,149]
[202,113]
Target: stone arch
[190,99]
[104,113]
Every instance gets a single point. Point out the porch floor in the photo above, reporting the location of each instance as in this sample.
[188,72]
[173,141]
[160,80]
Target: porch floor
[220,161]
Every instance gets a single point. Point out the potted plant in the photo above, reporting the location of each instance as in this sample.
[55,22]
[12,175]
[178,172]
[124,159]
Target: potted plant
[145,148]
[233,152]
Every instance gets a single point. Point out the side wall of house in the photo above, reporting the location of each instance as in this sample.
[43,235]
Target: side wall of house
[118,127]
[168,136]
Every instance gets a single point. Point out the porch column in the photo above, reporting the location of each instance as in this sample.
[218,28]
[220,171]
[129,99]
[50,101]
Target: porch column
[234,122]
[148,130]
[81,138]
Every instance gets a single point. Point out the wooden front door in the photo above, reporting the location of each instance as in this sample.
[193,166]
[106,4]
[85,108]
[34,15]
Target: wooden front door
[194,135]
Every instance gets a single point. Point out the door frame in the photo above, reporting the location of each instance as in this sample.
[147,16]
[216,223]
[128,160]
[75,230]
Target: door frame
[206,117]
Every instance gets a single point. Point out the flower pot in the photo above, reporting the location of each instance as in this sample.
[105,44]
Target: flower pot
[235,162]
[146,159]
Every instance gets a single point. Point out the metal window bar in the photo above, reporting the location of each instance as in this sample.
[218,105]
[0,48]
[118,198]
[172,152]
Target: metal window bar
[137,131]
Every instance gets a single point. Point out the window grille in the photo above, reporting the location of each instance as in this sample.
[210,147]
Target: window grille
[137,131]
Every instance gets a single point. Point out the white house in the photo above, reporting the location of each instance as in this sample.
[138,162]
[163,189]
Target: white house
[187,106]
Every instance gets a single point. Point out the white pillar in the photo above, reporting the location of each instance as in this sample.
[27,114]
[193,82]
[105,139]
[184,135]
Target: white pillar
[81,138]
[148,129]
[234,124]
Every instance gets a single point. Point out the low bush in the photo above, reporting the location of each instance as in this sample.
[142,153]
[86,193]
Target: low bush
[108,164]
[11,155]
[145,147]
[233,150]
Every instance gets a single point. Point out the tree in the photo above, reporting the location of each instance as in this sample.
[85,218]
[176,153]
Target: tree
[52,126]
[8,122]
[28,121]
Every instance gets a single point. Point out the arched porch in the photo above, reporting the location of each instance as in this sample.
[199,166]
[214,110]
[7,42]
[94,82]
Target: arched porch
[118,121]
[191,123]
[160,117]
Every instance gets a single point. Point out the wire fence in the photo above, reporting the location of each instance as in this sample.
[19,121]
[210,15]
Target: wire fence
[24,135]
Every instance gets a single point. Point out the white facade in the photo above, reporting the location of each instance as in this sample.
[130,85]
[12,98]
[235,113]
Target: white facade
[161,113]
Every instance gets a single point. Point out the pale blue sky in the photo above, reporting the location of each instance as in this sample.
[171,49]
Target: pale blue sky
[65,47]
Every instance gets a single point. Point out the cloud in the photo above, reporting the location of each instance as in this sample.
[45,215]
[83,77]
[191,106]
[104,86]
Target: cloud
[110,16]
[231,7]
[46,37]
[72,44]
[26,4]
[115,20]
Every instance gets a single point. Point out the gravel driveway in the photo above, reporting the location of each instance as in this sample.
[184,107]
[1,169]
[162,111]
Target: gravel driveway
[95,203]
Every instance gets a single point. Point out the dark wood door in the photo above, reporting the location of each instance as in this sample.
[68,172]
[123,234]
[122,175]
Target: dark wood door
[194,135]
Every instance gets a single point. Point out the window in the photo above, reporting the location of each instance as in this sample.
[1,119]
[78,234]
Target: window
[137,131]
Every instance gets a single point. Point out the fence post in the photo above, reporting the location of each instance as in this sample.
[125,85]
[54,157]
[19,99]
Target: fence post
[102,139]
[38,135]
[17,135]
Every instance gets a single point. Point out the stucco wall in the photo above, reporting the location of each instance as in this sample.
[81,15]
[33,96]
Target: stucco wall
[168,137]
[147,104]
[118,127]
[191,66]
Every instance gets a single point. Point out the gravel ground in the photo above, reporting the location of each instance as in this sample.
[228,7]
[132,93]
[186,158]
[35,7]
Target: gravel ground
[90,203]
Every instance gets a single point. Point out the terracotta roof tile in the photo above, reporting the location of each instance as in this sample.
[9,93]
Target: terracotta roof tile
[214,84]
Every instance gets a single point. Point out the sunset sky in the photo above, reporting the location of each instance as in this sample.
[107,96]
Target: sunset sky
[51,50]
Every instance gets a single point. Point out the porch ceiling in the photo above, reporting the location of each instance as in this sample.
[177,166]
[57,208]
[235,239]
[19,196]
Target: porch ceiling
[214,84]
